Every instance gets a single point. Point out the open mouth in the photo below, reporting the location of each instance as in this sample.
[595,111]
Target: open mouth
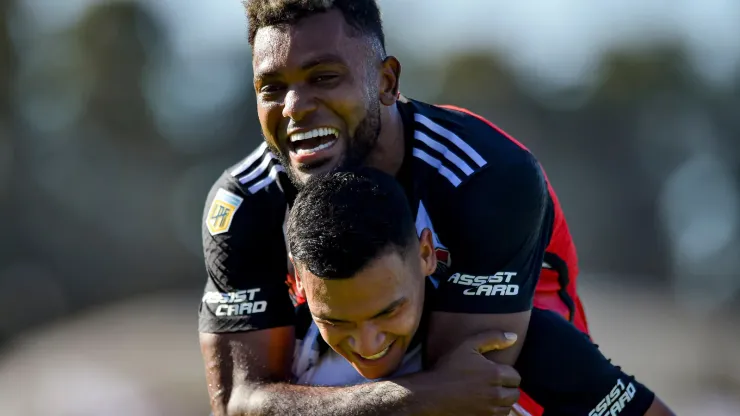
[377,356]
[312,142]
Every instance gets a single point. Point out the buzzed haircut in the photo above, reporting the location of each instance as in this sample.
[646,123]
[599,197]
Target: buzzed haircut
[340,222]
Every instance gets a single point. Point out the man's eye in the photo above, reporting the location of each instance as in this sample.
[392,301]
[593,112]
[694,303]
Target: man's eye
[389,314]
[269,89]
[324,78]
[339,326]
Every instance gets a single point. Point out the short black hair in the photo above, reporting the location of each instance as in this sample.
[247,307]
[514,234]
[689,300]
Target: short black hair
[342,221]
[362,15]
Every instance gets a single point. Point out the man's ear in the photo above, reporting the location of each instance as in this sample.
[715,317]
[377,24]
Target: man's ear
[390,73]
[296,273]
[427,254]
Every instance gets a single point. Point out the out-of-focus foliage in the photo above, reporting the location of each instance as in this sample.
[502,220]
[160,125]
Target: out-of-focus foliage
[111,138]
[111,133]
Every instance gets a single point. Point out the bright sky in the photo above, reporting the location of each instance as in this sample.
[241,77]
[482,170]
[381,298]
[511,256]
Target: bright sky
[558,37]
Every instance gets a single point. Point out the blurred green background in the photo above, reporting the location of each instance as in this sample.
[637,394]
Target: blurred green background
[117,116]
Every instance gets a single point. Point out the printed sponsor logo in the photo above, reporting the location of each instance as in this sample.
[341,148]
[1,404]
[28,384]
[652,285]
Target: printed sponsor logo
[498,284]
[615,401]
[237,303]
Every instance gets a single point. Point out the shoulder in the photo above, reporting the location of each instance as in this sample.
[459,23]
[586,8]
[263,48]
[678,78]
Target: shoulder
[472,153]
[256,172]
[249,192]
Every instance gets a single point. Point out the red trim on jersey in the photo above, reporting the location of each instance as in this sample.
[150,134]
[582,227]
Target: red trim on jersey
[561,244]
[547,294]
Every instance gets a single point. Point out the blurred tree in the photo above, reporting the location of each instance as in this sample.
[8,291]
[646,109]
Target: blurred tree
[628,163]
[103,202]
[7,163]
[482,80]
[106,175]
[119,41]
[7,67]
[7,59]
[630,75]
[725,105]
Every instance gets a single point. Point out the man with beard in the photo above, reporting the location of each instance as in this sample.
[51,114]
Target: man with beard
[363,265]
[328,98]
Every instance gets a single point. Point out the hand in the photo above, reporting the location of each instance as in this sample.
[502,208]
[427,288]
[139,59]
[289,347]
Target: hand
[464,382]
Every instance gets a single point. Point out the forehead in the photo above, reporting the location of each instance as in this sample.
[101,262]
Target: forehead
[322,34]
[371,290]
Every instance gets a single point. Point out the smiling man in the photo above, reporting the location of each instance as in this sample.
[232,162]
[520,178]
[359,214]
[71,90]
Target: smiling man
[328,98]
[362,264]
[362,269]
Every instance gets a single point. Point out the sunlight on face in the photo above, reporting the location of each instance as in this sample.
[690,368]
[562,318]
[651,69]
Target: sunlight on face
[371,317]
[317,106]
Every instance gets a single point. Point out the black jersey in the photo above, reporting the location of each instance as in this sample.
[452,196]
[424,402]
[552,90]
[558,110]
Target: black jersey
[482,195]
[485,199]
[560,367]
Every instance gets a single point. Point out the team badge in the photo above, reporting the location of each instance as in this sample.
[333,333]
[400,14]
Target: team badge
[222,211]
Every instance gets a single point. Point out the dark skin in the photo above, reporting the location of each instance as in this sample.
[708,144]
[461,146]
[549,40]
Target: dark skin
[312,76]
[316,74]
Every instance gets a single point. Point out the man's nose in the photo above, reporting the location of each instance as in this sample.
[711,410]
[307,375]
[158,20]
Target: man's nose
[298,104]
[368,340]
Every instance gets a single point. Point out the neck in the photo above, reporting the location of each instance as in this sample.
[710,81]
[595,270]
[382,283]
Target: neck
[389,151]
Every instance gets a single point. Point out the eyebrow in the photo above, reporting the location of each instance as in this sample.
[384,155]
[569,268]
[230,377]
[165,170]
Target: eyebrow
[329,58]
[388,309]
[325,59]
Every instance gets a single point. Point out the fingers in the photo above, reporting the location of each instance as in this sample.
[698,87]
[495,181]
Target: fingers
[504,397]
[508,396]
[494,340]
[505,376]
[495,401]
[505,408]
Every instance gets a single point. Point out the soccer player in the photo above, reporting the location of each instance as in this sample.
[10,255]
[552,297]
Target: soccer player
[327,98]
[362,264]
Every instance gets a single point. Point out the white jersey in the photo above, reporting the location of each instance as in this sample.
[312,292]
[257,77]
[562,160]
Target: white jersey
[312,366]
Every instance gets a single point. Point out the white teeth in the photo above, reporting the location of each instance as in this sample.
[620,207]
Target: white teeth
[321,131]
[378,355]
[315,149]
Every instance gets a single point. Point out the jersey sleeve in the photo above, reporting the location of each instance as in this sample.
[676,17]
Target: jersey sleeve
[246,261]
[565,373]
[502,223]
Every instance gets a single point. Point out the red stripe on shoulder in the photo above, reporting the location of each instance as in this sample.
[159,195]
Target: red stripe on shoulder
[485,120]
[561,242]
[508,136]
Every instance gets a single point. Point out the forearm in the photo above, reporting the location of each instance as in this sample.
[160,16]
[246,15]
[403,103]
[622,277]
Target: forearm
[371,399]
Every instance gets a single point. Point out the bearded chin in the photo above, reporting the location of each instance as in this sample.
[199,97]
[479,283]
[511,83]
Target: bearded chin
[358,149]
[363,142]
